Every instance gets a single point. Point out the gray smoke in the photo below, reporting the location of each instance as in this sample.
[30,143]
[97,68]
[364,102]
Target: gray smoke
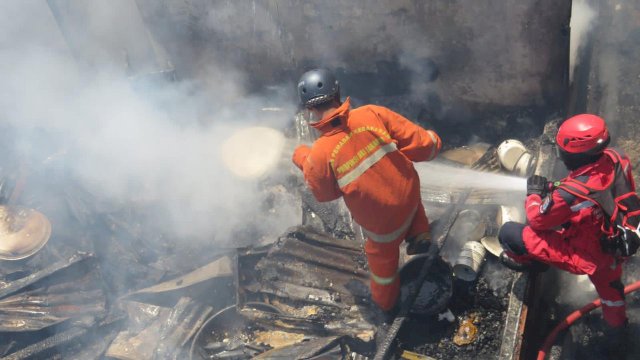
[576,291]
[582,21]
[125,138]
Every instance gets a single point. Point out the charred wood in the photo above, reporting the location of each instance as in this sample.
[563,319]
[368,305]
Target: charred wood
[8,288]
[48,344]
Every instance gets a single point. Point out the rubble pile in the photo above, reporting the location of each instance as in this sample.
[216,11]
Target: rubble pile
[585,338]
[307,285]
[110,284]
[477,326]
[106,283]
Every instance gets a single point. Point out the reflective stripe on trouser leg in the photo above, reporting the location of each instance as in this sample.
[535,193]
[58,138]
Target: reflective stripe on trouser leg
[399,232]
[420,223]
[383,265]
[385,296]
[611,291]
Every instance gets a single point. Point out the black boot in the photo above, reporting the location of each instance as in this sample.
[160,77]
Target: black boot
[384,318]
[533,266]
[617,341]
[537,266]
[390,315]
[512,264]
[418,244]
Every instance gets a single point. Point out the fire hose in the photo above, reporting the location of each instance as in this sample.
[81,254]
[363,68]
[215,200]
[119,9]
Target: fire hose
[573,317]
[384,349]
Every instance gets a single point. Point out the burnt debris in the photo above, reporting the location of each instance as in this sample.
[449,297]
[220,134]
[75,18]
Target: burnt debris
[131,294]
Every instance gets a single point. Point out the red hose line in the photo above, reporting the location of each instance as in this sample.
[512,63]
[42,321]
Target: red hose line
[569,320]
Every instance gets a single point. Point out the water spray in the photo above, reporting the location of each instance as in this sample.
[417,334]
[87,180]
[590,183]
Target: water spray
[254,151]
[446,176]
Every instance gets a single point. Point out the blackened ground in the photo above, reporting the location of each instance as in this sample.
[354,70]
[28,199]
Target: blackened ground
[587,340]
[435,338]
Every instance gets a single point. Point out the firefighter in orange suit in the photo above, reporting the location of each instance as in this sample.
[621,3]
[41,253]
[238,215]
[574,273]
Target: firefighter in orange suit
[366,156]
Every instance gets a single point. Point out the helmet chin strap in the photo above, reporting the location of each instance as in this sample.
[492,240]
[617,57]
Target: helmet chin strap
[575,161]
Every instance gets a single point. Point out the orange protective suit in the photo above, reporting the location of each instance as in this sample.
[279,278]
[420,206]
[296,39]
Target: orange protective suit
[365,155]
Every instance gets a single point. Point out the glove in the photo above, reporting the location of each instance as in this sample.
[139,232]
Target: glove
[419,244]
[537,185]
[300,155]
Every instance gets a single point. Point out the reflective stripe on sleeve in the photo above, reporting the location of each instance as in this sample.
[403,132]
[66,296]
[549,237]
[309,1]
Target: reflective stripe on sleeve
[366,164]
[386,238]
[383,280]
[582,205]
[610,303]
[434,139]
[535,203]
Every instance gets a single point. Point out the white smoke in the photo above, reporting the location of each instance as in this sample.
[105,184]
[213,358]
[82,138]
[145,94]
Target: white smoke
[437,174]
[415,52]
[575,290]
[497,278]
[582,18]
[127,140]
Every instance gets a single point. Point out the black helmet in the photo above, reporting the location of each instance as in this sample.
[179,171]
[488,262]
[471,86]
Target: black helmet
[317,87]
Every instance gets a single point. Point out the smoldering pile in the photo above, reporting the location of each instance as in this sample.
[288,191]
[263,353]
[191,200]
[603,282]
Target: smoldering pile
[107,282]
[307,292]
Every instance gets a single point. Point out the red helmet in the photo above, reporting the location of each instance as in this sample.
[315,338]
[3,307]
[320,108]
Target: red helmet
[583,134]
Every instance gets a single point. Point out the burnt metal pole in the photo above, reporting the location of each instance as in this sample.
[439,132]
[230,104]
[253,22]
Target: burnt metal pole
[384,349]
[48,344]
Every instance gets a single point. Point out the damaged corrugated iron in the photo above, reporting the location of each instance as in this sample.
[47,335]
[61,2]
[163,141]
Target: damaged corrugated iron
[156,332]
[74,294]
[299,294]
[311,276]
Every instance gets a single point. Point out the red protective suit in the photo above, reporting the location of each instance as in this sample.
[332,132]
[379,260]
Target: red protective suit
[365,155]
[565,231]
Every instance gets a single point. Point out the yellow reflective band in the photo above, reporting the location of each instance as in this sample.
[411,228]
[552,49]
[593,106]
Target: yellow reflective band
[383,280]
[359,155]
[383,133]
[366,164]
[386,238]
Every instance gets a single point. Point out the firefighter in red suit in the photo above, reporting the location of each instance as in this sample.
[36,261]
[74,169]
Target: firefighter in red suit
[565,230]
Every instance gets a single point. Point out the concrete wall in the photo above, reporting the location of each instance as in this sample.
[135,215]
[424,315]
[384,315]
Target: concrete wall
[110,34]
[607,76]
[452,62]
[504,52]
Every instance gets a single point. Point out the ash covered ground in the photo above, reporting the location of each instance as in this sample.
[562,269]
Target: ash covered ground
[486,300]
[585,339]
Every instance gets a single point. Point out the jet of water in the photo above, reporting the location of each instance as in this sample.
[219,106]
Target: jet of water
[446,176]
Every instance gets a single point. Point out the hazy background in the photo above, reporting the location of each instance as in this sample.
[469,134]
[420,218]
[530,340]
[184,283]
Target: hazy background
[95,109]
